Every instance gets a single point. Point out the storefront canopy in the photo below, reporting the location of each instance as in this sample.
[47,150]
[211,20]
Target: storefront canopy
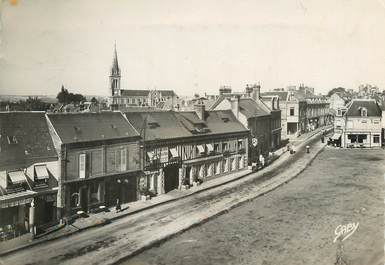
[41,172]
[17,177]
[336,136]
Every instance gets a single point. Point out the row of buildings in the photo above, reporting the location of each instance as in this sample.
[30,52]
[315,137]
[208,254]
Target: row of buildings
[54,164]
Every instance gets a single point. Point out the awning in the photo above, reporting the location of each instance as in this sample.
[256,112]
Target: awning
[210,147]
[41,172]
[201,149]
[17,177]
[336,136]
[18,198]
[174,152]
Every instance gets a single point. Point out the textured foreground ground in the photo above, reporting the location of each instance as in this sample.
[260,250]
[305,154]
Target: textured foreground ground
[295,223]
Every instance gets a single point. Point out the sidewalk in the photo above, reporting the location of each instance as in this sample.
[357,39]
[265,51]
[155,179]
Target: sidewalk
[103,218]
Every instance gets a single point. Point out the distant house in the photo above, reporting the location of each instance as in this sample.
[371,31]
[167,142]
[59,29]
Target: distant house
[338,100]
[28,173]
[359,125]
[123,98]
[100,160]
[301,110]
[183,148]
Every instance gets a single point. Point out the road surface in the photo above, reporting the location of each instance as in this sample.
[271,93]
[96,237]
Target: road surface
[295,223]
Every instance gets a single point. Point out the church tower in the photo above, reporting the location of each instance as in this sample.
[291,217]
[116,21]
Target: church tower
[115,78]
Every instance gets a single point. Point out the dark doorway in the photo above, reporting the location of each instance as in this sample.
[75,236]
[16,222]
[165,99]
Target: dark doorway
[171,177]
[124,189]
[84,199]
[188,172]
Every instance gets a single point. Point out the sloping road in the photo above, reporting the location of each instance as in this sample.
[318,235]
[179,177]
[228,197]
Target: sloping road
[294,224]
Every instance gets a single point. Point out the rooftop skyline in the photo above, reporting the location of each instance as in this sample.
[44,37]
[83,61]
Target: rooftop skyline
[190,47]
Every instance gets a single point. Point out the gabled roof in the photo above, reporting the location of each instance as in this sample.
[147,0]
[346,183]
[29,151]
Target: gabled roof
[171,124]
[86,127]
[168,125]
[32,142]
[250,108]
[355,106]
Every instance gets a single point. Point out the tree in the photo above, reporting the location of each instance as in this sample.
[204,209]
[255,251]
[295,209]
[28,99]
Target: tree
[336,90]
[65,97]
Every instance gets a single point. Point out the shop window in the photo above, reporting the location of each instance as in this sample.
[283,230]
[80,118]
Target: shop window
[94,190]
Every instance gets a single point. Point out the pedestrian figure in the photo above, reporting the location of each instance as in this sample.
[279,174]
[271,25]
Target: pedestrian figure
[262,160]
[322,139]
[118,208]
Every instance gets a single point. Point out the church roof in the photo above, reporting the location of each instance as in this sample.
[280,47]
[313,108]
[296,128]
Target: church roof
[115,70]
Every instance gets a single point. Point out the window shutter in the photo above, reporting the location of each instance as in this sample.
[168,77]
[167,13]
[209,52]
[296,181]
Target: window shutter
[82,166]
[123,159]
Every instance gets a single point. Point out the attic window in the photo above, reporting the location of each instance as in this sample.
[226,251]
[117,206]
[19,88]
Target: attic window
[364,112]
[225,119]
[77,129]
[153,124]
[113,126]
[12,140]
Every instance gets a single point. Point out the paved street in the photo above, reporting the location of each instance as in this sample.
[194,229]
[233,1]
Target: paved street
[115,241]
[295,223]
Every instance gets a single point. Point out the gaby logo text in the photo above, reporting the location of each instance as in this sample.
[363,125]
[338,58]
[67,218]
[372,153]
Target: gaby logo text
[342,232]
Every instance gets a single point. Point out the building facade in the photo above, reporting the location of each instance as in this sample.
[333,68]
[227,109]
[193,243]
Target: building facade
[301,110]
[99,160]
[28,174]
[263,121]
[183,148]
[359,125]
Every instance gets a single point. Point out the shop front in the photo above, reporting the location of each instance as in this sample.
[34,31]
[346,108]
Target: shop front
[15,213]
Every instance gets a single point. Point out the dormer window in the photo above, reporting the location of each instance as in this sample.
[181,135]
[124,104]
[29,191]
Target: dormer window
[12,140]
[364,112]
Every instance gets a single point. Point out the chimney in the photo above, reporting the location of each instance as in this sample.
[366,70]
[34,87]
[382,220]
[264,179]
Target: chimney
[235,105]
[256,92]
[249,90]
[200,109]
[224,90]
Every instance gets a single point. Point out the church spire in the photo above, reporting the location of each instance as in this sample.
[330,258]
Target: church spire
[115,76]
[115,70]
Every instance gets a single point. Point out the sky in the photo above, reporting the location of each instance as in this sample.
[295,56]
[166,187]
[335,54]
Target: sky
[190,46]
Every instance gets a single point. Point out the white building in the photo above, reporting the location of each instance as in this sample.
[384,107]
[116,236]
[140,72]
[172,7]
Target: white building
[359,125]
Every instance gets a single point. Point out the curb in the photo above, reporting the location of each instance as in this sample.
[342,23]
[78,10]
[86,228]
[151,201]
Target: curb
[108,220]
